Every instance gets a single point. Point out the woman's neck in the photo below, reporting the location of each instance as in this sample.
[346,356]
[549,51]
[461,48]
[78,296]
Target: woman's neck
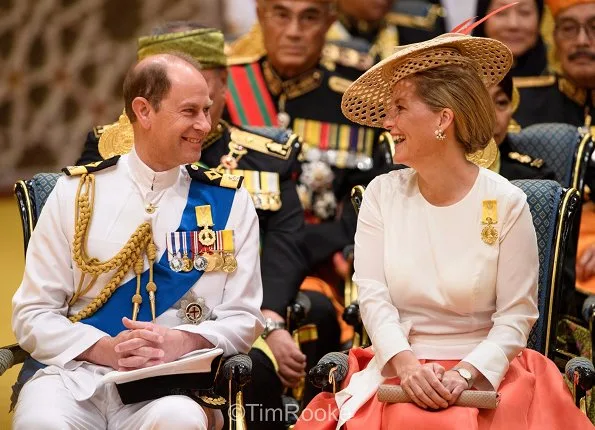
[446,182]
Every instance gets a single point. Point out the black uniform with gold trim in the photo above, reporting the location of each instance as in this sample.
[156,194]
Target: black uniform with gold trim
[553,99]
[516,165]
[354,45]
[268,169]
[309,104]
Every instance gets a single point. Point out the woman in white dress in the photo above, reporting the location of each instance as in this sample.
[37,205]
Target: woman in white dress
[446,257]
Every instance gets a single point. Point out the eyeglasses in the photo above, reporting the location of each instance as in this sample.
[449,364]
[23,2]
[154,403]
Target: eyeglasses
[306,21]
[570,29]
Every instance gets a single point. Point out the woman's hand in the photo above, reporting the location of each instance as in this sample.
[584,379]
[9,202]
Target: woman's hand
[422,382]
[455,384]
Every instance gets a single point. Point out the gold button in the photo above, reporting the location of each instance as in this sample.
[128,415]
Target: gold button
[150,209]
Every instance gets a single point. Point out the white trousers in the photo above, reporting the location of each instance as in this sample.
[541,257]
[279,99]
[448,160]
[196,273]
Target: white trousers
[46,403]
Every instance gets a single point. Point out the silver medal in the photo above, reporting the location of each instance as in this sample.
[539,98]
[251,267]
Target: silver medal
[176,264]
[200,263]
[193,309]
[283,119]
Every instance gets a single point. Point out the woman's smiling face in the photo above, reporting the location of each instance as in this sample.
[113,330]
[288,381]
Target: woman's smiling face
[412,124]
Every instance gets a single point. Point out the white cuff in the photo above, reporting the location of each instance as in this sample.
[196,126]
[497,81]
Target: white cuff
[491,361]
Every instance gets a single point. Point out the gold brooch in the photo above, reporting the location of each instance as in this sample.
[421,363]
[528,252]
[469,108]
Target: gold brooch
[489,217]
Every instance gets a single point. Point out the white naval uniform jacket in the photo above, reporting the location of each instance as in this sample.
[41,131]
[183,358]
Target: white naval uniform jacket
[40,305]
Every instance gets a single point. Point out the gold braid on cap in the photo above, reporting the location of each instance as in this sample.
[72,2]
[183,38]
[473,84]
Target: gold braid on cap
[130,255]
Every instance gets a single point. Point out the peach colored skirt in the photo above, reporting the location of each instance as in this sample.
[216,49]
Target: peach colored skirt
[533,396]
[586,239]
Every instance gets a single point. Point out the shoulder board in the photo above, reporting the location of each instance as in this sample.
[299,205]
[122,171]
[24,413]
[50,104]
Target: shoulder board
[533,81]
[263,143]
[338,84]
[247,48]
[213,177]
[415,15]
[526,159]
[91,167]
[347,56]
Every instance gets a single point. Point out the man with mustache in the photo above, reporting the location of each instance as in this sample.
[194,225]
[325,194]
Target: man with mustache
[569,96]
[288,85]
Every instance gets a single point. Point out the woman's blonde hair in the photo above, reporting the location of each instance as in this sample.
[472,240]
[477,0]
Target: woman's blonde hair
[459,88]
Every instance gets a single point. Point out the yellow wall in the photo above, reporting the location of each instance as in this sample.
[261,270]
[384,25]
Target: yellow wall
[11,271]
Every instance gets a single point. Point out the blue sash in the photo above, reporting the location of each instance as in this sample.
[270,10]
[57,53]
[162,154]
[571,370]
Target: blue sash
[171,286]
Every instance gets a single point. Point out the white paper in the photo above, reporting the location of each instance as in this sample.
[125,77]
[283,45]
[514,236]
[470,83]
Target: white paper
[194,362]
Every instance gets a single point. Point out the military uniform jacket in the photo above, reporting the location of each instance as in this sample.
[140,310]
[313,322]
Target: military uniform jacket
[313,103]
[353,46]
[283,265]
[552,99]
[514,165]
[40,305]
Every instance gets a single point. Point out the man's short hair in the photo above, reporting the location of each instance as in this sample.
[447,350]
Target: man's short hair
[150,81]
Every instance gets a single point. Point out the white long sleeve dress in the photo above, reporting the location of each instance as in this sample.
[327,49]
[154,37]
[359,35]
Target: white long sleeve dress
[429,283]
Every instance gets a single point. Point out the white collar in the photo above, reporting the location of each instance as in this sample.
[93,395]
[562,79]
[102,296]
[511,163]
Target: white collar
[146,178]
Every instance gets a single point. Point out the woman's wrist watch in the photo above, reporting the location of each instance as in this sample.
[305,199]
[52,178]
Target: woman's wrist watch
[270,326]
[466,375]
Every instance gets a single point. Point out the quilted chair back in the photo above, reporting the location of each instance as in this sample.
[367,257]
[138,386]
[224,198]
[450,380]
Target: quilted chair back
[562,148]
[553,209]
[31,196]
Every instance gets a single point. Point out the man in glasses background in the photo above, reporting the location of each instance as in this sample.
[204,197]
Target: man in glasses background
[569,95]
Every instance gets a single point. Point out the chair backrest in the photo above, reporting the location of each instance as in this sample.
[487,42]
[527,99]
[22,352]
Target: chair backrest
[31,196]
[554,210]
[561,146]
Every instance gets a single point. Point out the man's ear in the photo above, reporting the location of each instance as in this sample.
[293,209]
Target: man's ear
[142,109]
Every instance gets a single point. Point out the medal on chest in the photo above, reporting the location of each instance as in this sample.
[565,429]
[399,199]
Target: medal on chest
[489,217]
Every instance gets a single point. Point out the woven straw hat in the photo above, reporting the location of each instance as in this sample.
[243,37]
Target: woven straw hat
[367,100]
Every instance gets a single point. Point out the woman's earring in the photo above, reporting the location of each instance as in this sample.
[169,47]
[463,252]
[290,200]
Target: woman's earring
[440,135]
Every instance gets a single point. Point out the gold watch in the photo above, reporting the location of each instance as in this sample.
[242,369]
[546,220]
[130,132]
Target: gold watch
[466,375]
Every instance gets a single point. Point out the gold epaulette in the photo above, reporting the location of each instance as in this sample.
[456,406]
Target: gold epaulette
[262,144]
[213,177]
[338,84]
[247,48]
[533,81]
[345,56]
[526,159]
[99,129]
[91,167]
[117,138]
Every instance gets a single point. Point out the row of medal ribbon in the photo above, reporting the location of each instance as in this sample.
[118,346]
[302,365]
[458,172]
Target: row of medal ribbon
[186,251]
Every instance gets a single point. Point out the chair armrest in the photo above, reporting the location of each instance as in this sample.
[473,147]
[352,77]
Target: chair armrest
[330,370]
[238,369]
[11,355]
[581,374]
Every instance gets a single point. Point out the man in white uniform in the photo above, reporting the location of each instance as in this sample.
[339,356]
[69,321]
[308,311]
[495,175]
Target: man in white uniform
[161,260]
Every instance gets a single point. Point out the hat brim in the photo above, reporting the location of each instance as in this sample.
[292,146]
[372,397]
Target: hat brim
[367,99]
